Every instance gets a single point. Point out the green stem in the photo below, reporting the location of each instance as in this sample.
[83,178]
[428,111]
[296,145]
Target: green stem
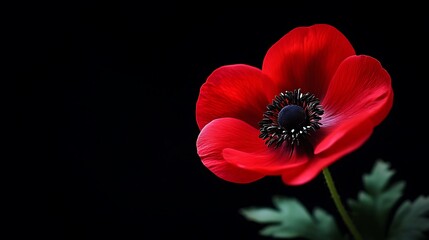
[340,207]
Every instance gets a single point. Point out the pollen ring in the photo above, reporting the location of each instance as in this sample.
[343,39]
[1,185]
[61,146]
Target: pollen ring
[290,118]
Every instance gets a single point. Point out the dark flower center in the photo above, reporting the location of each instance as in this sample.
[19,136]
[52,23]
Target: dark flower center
[290,118]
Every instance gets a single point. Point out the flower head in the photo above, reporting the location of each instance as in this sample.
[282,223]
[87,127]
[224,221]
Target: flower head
[312,102]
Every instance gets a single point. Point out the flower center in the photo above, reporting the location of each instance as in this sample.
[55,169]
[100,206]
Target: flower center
[290,118]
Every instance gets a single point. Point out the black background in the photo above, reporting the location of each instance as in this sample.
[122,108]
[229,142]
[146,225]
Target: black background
[105,93]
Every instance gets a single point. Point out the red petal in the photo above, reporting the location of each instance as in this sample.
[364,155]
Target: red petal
[268,160]
[307,58]
[237,91]
[233,143]
[340,141]
[226,133]
[361,86]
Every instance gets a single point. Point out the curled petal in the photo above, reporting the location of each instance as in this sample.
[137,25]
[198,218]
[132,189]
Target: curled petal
[226,133]
[236,143]
[268,160]
[361,86]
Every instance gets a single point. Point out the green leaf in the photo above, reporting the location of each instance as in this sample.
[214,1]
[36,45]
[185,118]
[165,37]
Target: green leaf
[411,220]
[372,209]
[290,219]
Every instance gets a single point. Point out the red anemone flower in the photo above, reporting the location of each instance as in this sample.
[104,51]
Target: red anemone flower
[312,102]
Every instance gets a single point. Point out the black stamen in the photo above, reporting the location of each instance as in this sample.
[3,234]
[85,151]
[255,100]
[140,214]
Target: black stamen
[290,118]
